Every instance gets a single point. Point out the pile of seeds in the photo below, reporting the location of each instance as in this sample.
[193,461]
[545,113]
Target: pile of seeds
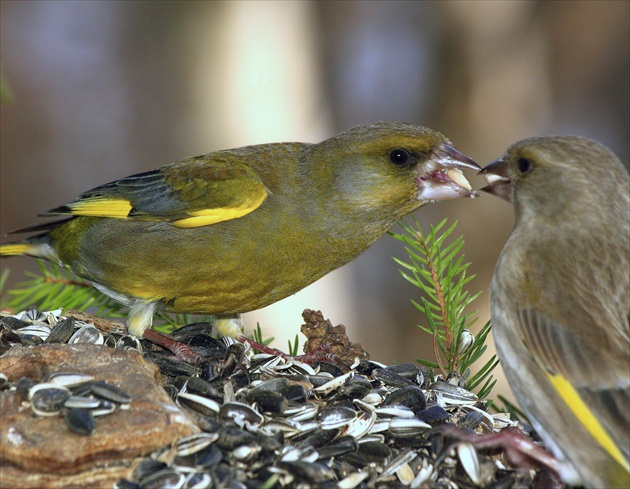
[78,397]
[269,422]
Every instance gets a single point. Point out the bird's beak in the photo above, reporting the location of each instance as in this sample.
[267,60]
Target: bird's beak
[443,179]
[499,183]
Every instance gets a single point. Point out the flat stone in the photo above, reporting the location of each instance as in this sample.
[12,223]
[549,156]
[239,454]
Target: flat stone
[41,452]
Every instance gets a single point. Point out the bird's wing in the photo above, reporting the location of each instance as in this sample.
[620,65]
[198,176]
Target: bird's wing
[190,193]
[593,383]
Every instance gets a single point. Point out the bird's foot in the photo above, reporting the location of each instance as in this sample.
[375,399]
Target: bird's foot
[323,353]
[521,450]
[182,351]
[262,348]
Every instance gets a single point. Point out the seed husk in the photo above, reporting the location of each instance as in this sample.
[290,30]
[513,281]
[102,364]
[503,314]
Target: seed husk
[80,421]
[110,392]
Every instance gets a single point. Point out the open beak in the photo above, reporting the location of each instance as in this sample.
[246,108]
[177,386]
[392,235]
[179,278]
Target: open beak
[499,183]
[443,178]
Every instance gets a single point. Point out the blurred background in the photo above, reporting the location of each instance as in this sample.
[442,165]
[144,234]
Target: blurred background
[101,90]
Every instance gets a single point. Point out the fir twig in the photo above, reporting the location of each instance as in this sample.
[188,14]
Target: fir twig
[3,280]
[437,268]
[53,287]
[257,336]
[440,300]
[294,347]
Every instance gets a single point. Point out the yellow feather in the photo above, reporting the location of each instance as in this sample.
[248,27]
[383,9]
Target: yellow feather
[206,217]
[98,207]
[15,249]
[587,418]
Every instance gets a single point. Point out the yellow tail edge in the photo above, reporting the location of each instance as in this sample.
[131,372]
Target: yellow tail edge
[17,249]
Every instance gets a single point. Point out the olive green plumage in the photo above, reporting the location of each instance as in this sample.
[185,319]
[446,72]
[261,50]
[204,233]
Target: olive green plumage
[236,230]
[560,300]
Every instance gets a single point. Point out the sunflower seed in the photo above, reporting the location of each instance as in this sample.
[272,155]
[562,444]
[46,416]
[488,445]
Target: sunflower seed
[110,392]
[80,421]
[87,334]
[194,443]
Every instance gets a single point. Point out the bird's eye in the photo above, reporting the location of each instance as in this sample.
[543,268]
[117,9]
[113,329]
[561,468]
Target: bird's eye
[524,165]
[400,157]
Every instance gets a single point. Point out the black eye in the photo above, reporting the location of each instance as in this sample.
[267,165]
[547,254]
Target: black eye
[525,165]
[400,157]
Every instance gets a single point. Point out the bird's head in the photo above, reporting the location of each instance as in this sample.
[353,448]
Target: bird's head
[556,174]
[393,167]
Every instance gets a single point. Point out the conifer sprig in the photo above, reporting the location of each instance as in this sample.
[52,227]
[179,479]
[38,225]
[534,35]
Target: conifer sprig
[436,266]
[55,286]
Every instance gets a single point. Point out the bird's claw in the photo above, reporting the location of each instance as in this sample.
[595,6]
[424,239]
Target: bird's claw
[181,351]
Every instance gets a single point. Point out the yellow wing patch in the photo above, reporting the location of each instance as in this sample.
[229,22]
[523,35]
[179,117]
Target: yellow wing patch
[586,417]
[206,217]
[101,207]
[121,209]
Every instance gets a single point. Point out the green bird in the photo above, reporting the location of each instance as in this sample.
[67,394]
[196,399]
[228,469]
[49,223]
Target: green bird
[236,230]
[560,301]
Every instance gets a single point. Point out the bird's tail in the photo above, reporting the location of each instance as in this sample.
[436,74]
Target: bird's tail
[17,249]
[37,247]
